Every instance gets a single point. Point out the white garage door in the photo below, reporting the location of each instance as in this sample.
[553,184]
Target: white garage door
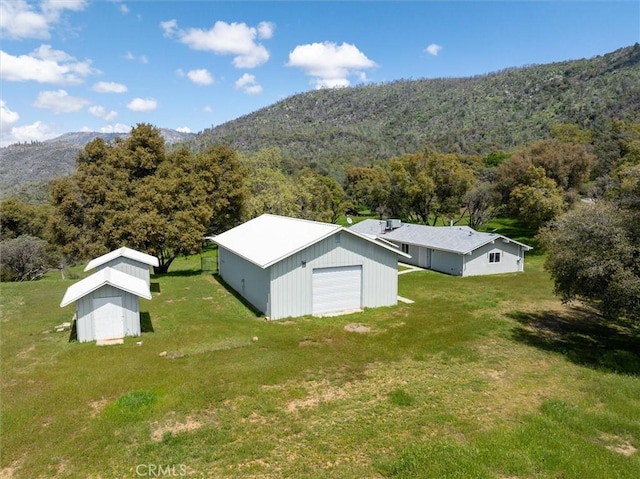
[108,318]
[337,289]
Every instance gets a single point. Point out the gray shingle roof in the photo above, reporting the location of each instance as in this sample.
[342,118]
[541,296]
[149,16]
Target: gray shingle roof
[456,239]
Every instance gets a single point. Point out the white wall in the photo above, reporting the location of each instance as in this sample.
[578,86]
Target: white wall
[251,281]
[291,280]
[129,266]
[511,259]
[445,262]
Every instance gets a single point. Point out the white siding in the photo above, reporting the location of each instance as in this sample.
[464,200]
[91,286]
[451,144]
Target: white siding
[511,259]
[129,266]
[84,309]
[445,262]
[251,281]
[291,278]
[420,256]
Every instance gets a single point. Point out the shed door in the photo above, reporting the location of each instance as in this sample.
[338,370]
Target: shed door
[337,289]
[108,318]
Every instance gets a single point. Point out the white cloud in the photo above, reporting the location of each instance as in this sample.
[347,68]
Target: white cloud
[170,27]
[330,64]
[109,87]
[248,84]
[142,59]
[223,38]
[433,49]
[20,20]
[45,65]
[35,132]
[60,102]
[200,77]
[207,109]
[266,29]
[117,128]
[7,117]
[184,129]
[142,104]
[101,112]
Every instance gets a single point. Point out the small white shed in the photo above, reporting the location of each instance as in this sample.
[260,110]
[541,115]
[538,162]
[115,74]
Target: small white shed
[107,305]
[455,250]
[127,260]
[287,267]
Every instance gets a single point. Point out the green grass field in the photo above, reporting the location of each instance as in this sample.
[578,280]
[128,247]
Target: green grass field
[487,377]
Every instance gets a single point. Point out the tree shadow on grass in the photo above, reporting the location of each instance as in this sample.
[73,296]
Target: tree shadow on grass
[238,296]
[582,336]
[180,273]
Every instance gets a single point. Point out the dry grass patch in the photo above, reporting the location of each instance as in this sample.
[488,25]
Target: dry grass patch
[618,444]
[97,406]
[173,426]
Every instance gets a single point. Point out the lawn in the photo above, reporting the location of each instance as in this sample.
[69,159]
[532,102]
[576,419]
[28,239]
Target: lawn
[483,377]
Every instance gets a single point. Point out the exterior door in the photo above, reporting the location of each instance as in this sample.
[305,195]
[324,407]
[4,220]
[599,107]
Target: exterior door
[108,318]
[336,290]
[424,257]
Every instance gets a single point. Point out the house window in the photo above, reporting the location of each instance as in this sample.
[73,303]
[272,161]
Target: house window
[405,248]
[494,257]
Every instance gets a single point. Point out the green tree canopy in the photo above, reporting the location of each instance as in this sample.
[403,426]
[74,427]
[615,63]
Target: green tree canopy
[132,193]
[428,185]
[18,218]
[593,255]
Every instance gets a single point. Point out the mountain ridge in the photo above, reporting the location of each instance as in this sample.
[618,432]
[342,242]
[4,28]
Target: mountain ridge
[332,129]
[32,164]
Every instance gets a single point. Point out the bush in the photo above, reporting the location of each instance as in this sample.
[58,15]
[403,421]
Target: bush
[24,259]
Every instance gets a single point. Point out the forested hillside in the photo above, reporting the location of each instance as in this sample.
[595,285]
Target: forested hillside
[332,130]
[498,111]
[29,166]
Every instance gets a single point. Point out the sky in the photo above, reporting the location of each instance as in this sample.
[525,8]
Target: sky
[107,65]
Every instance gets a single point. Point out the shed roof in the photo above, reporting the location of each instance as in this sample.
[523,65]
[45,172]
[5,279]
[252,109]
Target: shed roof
[455,239]
[267,239]
[110,276]
[124,252]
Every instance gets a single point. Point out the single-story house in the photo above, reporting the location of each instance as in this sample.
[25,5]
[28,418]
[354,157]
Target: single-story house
[126,260]
[107,305]
[456,250]
[287,267]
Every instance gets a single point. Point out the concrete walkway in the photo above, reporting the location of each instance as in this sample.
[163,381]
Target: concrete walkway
[410,268]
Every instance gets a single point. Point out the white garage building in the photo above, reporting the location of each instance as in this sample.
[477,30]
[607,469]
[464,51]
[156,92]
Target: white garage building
[288,267]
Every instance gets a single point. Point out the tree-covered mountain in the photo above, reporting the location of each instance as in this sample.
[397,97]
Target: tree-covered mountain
[33,164]
[497,111]
[333,129]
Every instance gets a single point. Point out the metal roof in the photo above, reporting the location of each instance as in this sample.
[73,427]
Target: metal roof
[110,276]
[267,239]
[125,252]
[455,239]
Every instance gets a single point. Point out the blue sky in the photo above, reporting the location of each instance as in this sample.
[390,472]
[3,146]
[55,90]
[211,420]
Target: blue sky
[74,65]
